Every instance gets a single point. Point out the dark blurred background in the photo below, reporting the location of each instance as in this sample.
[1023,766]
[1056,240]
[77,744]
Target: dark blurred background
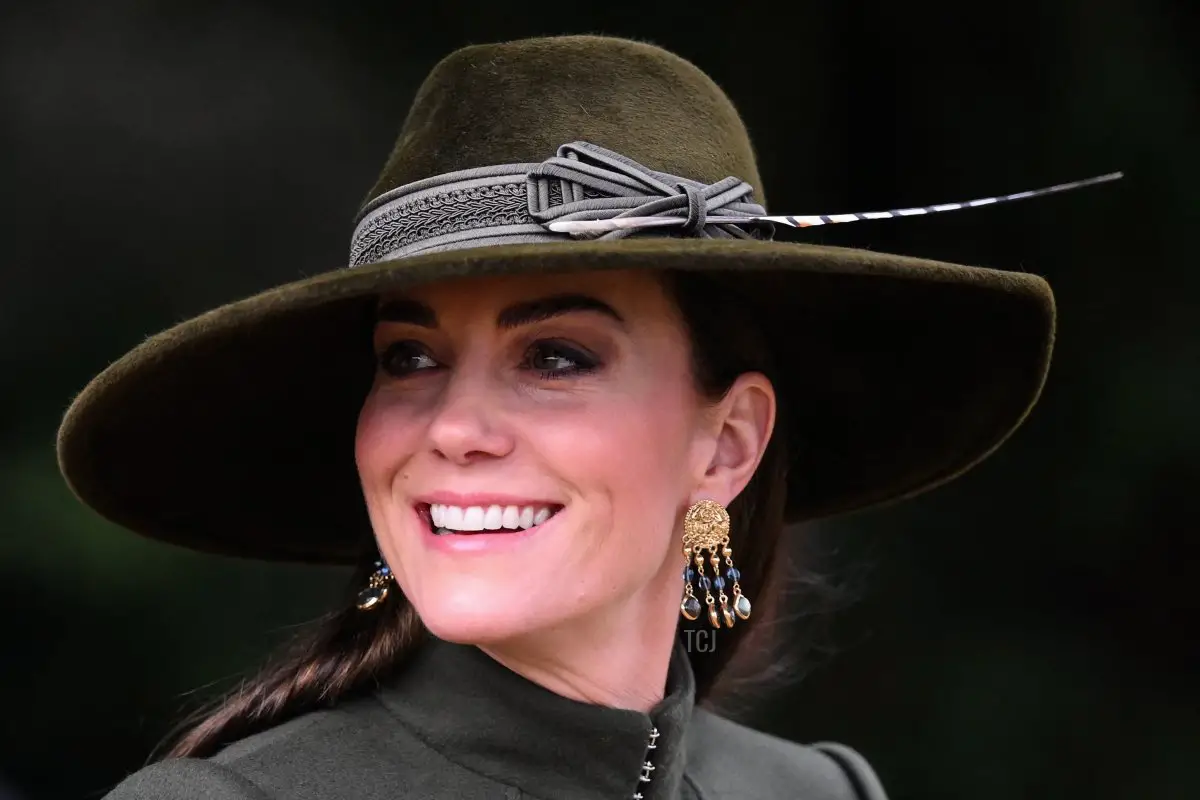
[1020,633]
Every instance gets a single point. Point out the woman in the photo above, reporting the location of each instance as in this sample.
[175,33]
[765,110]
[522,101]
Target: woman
[571,447]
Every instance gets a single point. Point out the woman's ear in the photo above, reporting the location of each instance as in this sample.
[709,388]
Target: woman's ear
[742,423]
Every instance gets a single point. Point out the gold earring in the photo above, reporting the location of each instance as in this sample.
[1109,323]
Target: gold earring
[706,528]
[377,588]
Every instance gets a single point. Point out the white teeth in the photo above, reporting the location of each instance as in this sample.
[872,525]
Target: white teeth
[511,517]
[489,518]
[472,519]
[492,518]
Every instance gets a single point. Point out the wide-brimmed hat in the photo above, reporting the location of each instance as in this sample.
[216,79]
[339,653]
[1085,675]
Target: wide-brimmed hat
[233,432]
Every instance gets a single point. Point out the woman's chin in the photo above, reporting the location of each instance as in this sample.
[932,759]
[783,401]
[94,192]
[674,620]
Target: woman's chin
[479,629]
[482,618]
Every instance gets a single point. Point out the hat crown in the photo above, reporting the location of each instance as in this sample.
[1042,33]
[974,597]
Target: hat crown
[518,102]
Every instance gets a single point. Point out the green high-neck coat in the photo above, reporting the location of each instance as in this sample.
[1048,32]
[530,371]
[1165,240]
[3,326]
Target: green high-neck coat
[457,724]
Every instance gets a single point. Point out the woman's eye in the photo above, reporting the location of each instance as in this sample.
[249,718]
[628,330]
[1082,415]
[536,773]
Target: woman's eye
[405,358]
[556,359]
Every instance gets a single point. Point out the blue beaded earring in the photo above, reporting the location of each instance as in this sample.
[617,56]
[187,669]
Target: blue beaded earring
[377,588]
[706,528]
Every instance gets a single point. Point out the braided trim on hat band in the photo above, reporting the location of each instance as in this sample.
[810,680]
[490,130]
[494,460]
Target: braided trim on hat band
[514,203]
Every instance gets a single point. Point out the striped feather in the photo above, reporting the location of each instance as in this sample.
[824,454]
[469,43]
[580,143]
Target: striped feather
[598,226]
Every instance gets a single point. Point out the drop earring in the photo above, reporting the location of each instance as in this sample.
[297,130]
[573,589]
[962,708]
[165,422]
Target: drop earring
[377,588]
[706,529]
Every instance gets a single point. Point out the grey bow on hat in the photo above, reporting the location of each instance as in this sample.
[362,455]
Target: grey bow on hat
[619,184]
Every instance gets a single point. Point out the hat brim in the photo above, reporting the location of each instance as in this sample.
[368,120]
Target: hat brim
[233,432]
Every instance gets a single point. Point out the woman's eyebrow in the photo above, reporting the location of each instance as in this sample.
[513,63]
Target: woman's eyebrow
[544,308]
[414,312]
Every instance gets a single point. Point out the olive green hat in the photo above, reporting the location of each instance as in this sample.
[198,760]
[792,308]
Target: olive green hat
[233,432]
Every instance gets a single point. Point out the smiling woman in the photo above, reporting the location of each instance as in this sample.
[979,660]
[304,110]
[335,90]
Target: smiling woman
[570,399]
[551,459]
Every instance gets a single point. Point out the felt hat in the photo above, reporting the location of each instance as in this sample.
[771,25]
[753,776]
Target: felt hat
[233,432]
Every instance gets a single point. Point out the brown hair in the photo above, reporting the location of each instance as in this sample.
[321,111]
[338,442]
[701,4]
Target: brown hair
[349,652]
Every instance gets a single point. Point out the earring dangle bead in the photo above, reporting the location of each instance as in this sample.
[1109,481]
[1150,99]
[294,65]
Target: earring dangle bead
[706,529]
[377,588]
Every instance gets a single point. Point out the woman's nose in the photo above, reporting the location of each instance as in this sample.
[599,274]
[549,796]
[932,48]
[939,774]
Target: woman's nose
[465,425]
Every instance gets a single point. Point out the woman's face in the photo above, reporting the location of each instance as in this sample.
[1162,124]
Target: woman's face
[528,448]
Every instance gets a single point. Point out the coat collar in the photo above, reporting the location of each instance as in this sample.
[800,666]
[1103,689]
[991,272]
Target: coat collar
[486,718]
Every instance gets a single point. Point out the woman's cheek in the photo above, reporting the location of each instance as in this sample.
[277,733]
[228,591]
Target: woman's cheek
[386,435]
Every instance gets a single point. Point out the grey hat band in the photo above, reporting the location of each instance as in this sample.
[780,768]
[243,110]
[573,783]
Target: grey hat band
[513,203]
